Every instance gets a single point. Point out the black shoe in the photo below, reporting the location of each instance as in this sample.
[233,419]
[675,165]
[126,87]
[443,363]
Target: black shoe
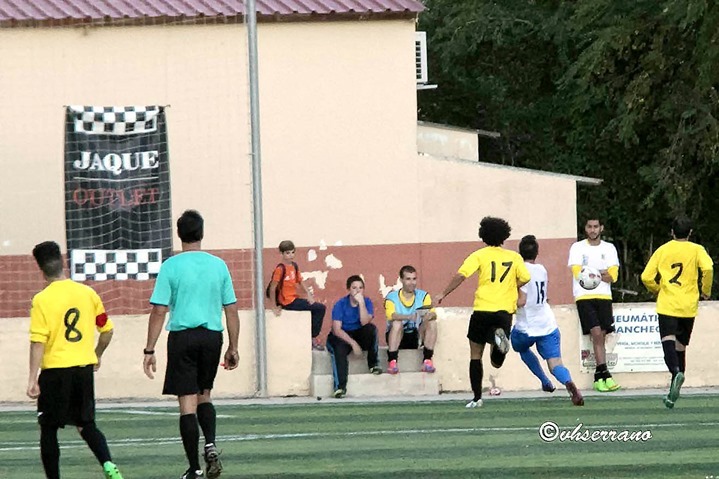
[213,465]
[496,357]
[190,474]
[548,388]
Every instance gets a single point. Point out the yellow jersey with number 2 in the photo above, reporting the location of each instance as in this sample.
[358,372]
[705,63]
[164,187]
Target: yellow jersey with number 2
[673,273]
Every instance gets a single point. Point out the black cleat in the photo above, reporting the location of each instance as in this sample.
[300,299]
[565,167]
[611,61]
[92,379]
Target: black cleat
[190,474]
[213,465]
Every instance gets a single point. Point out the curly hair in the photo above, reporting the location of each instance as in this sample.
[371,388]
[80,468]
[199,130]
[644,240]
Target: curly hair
[494,231]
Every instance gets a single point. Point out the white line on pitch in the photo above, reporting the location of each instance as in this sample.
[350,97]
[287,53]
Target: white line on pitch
[155,413]
[75,444]
[106,412]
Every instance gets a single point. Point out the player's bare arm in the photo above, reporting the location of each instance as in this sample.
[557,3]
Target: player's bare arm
[154,328]
[232,318]
[37,350]
[454,283]
[102,343]
[521,298]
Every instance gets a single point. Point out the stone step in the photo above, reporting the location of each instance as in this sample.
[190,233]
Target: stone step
[369,385]
[410,361]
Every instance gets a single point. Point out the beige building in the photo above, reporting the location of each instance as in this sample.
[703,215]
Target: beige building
[347,173]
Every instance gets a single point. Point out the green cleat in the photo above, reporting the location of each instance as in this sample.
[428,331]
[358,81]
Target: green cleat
[601,386]
[611,385]
[676,387]
[668,402]
[111,471]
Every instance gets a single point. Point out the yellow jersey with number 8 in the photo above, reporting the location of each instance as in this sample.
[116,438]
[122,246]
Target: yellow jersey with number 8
[64,316]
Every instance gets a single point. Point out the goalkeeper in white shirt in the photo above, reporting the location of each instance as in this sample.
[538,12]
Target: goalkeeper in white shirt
[595,306]
[535,325]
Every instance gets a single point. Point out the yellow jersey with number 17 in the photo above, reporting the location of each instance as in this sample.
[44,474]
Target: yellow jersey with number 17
[673,273]
[64,317]
[500,273]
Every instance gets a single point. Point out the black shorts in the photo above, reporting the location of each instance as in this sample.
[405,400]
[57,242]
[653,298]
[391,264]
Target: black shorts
[595,312]
[482,325]
[193,356]
[679,327]
[67,396]
[410,339]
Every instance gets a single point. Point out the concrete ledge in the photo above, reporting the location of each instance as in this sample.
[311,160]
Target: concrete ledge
[369,385]
[410,361]
[291,362]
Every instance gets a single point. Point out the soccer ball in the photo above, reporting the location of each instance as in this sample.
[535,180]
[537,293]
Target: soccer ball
[589,278]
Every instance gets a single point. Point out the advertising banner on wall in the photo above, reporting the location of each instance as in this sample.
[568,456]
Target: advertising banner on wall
[117,192]
[635,346]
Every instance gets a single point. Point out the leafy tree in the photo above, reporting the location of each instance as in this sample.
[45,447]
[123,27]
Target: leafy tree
[623,91]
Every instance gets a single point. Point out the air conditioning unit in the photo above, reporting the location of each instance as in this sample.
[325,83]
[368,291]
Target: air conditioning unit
[420,56]
[420,61]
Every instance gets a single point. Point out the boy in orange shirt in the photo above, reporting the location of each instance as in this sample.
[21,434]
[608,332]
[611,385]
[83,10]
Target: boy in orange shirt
[283,292]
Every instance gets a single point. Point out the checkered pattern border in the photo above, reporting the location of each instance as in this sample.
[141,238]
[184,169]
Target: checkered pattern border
[115,120]
[102,265]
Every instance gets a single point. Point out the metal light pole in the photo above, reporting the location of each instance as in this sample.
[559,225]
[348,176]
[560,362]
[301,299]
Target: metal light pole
[251,16]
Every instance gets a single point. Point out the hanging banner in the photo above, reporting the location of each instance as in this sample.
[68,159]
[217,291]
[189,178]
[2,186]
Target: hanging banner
[117,192]
[635,346]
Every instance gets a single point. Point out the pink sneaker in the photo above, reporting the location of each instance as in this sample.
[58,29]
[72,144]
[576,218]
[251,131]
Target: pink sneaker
[392,367]
[427,366]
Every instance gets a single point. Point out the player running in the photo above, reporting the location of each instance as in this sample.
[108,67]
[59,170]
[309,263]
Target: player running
[535,325]
[500,272]
[673,274]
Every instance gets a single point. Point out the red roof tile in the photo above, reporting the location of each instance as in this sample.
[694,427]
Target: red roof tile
[27,10]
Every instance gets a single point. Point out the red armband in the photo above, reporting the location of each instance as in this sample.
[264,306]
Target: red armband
[101,320]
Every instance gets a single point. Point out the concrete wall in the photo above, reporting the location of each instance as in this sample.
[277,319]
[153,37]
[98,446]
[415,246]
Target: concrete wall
[452,355]
[338,112]
[121,375]
[290,356]
[447,141]
[341,172]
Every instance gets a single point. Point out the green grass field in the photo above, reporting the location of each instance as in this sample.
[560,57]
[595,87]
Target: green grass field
[395,440]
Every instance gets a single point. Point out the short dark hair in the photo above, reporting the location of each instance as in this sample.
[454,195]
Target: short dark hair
[49,258]
[286,245]
[681,227]
[593,217]
[190,227]
[406,269]
[494,231]
[529,248]
[353,278]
